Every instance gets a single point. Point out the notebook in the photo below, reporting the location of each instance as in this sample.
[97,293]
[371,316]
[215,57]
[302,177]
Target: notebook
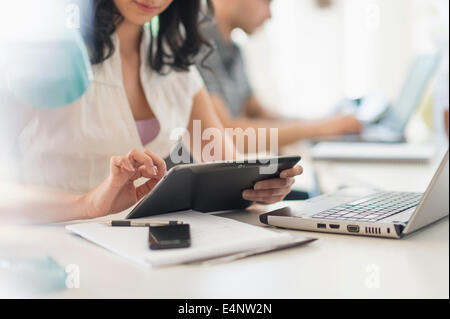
[211,237]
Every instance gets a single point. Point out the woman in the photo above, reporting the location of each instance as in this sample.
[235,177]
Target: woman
[133,90]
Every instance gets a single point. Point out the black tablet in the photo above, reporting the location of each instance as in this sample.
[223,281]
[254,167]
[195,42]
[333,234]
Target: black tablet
[209,187]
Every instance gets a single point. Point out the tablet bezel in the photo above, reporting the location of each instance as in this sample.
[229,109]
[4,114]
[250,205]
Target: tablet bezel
[189,174]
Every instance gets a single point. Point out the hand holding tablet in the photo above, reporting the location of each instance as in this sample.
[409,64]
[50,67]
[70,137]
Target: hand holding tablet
[220,186]
[273,190]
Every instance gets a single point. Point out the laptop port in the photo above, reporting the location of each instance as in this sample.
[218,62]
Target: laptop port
[321,226]
[353,228]
[333,226]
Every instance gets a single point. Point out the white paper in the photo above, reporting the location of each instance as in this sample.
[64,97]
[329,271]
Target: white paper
[211,236]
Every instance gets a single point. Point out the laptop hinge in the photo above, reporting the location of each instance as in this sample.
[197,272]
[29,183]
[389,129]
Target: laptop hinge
[399,228]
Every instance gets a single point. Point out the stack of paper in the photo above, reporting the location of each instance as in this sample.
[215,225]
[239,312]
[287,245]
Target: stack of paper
[211,237]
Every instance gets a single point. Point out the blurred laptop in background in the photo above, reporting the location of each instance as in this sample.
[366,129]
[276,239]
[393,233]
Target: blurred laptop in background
[386,124]
[383,135]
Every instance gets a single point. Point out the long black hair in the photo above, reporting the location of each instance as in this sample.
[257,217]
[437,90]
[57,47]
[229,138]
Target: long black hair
[176,45]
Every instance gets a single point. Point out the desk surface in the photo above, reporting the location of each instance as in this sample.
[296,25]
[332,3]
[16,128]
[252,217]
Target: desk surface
[335,266]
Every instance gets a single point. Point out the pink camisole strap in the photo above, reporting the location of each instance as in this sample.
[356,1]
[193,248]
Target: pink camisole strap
[148,130]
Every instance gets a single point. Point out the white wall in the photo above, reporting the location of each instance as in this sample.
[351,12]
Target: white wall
[295,62]
[305,59]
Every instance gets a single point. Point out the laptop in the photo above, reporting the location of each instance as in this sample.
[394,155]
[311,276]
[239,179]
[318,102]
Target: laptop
[369,212]
[392,125]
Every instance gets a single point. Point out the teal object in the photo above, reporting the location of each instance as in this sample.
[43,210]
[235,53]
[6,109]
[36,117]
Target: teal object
[50,73]
[154,26]
[30,276]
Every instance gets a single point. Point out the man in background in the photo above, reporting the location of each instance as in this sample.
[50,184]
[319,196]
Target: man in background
[226,79]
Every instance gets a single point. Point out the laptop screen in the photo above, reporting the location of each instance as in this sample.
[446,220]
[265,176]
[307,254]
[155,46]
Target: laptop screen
[412,92]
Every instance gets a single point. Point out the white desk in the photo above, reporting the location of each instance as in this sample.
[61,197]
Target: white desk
[336,266]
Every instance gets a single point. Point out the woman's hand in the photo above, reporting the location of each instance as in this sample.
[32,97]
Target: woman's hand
[118,191]
[273,190]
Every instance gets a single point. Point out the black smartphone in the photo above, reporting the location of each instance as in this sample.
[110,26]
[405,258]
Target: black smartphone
[169,237]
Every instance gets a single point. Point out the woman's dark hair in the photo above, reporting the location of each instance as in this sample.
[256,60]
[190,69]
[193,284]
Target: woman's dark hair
[177,43]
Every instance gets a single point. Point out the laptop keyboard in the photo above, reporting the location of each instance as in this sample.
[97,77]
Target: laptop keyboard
[374,208]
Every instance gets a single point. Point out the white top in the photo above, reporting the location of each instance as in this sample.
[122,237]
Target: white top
[70,148]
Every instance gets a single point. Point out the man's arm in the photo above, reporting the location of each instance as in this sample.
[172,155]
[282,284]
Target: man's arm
[288,131]
[255,110]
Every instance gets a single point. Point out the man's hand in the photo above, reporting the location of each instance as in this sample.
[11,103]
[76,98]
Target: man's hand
[339,125]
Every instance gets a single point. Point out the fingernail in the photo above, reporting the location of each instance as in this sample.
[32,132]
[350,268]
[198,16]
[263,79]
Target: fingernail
[155,171]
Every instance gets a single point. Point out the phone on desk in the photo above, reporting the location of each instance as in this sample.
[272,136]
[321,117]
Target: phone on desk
[210,187]
[169,237]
